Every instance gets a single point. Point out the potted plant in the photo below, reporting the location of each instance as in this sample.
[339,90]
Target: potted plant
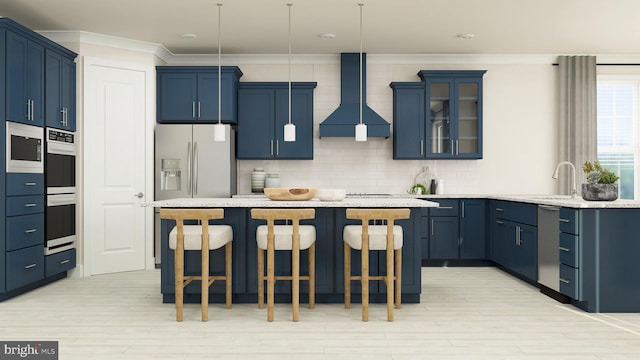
[601,183]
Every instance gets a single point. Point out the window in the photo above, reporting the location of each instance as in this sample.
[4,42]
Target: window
[618,123]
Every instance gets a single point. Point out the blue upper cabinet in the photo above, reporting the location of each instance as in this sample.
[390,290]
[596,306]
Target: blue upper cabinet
[25,79]
[60,91]
[263,110]
[446,123]
[408,120]
[189,94]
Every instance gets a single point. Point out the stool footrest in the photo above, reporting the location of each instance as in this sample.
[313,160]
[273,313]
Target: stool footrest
[375,277]
[289,277]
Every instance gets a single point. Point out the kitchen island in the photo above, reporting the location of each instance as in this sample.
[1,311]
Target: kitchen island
[329,222]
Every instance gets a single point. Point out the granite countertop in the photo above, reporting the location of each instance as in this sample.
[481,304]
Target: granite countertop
[262,201]
[553,200]
[390,200]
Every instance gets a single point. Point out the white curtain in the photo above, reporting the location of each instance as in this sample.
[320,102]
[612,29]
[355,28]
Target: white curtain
[577,117]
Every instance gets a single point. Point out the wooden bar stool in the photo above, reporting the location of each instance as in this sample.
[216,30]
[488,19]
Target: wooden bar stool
[367,237]
[202,237]
[293,237]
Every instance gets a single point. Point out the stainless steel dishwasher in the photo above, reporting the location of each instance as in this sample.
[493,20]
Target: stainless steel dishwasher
[548,243]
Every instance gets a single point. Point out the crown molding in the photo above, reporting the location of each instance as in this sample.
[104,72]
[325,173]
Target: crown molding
[159,50]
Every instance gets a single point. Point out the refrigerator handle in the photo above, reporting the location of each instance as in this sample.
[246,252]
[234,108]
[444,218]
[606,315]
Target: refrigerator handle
[195,168]
[189,168]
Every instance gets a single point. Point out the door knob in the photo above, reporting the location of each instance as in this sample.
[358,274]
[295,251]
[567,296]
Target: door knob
[139,195]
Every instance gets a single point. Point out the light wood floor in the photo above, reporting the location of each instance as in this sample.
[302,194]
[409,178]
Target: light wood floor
[465,313]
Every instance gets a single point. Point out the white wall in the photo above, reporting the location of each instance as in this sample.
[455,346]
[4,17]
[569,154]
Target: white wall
[520,137]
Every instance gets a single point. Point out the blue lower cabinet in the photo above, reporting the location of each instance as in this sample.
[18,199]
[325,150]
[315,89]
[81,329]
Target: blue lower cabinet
[524,251]
[236,218]
[444,239]
[569,281]
[24,266]
[329,261]
[472,229]
[60,262]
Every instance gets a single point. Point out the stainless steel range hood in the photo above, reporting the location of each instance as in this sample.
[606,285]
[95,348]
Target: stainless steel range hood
[342,122]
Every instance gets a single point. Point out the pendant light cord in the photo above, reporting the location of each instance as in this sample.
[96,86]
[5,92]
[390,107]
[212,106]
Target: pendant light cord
[289,5]
[361,5]
[219,67]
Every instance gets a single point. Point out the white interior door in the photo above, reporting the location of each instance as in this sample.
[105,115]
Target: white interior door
[114,168]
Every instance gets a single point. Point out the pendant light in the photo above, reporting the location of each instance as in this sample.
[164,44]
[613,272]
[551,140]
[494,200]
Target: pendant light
[219,129]
[361,129]
[289,128]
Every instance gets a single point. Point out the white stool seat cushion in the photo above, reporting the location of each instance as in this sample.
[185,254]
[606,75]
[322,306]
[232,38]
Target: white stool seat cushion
[219,235]
[284,236]
[352,235]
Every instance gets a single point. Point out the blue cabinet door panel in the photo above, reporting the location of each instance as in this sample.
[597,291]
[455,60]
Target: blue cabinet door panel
[35,82]
[25,231]
[472,229]
[25,184]
[569,222]
[256,121]
[301,117]
[408,121]
[444,238]
[177,97]
[17,107]
[24,266]
[24,205]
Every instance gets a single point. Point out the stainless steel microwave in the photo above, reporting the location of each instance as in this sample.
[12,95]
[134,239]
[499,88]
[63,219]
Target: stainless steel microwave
[24,148]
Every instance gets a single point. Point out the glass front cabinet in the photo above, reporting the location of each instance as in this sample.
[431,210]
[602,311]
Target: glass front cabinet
[447,120]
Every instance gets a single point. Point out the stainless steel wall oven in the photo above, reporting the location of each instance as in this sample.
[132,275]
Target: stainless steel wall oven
[60,179]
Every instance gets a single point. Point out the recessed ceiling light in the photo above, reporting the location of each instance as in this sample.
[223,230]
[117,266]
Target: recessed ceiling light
[465,36]
[188,36]
[327,36]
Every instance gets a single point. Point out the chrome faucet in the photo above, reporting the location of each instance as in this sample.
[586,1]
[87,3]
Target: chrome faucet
[574,190]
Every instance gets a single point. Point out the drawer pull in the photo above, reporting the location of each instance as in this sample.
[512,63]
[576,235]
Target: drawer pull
[30,205]
[30,266]
[30,231]
[499,222]
[445,207]
[564,249]
[565,220]
[499,209]
[64,262]
[565,281]
[30,184]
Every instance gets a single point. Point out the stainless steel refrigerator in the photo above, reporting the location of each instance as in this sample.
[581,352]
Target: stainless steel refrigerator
[188,163]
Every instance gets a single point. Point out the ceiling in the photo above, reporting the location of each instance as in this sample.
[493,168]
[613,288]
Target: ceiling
[389,26]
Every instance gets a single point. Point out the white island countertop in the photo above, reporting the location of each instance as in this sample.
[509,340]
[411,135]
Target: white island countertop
[553,200]
[261,201]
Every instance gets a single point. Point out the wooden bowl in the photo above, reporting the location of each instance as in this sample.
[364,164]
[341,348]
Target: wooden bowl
[290,194]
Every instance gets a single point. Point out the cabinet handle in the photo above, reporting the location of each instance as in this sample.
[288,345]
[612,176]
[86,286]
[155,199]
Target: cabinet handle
[457,147]
[277,147]
[271,147]
[30,184]
[518,235]
[499,222]
[30,205]
[462,209]
[30,266]
[28,109]
[195,168]
[33,110]
[564,249]
[198,109]
[499,209]
[565,281]
[445,207]
[421,147]
[431,227]
[30,231]
[193,109]
[62,116]
[451,147]
[64,262]
[565,220]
